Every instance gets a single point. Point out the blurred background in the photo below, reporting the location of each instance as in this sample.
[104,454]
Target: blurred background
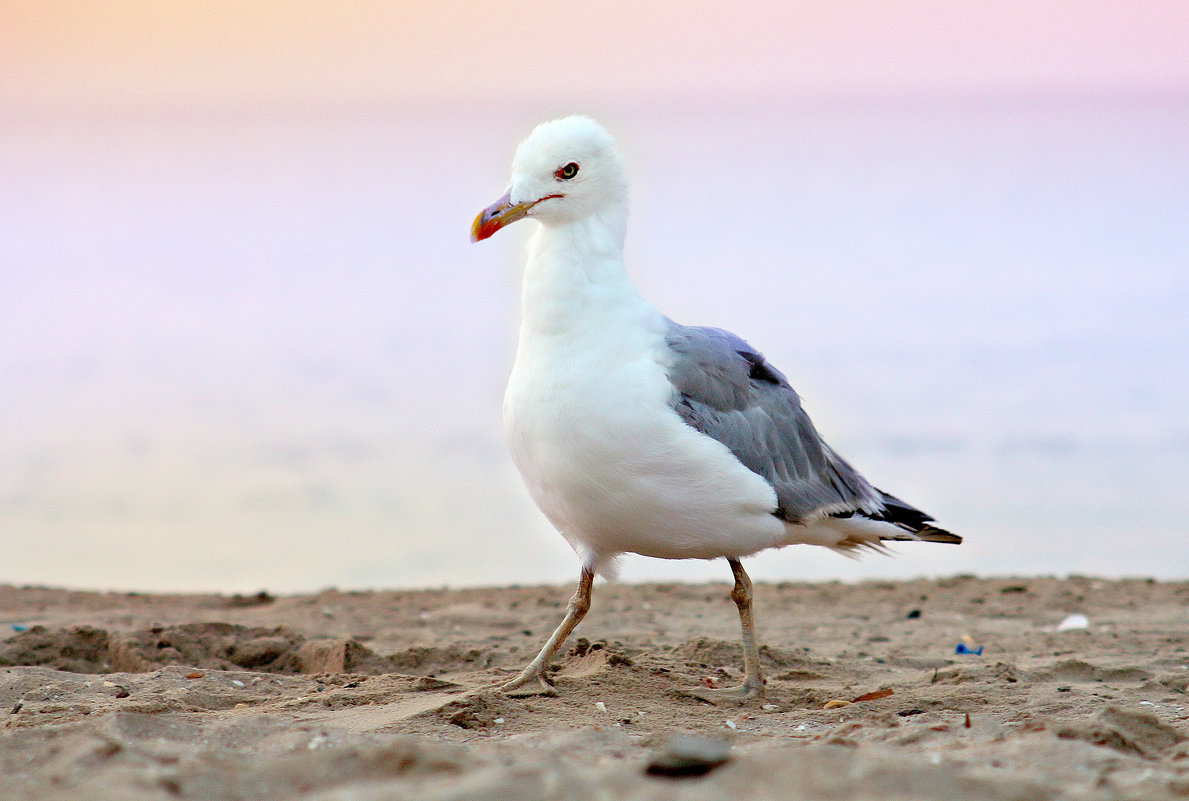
[245,342]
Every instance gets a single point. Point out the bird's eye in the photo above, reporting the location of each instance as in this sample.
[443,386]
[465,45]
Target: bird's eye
[567,172]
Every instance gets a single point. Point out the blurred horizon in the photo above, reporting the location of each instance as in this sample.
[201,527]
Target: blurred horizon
[245,343]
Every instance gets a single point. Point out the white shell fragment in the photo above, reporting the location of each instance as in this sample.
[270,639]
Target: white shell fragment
[1074,622]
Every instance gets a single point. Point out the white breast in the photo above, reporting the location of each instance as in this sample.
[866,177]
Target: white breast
[604,456]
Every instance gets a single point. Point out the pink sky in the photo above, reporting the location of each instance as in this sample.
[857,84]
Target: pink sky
[458,50]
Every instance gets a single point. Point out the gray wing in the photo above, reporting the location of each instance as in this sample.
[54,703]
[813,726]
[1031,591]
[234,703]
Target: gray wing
[725,389]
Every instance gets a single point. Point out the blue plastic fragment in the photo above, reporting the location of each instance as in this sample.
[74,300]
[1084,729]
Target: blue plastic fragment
[18,628]
[962,648]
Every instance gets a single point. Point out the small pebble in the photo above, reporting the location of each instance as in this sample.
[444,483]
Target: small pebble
[730,724]
[835,703]
[602,707]
[689,755]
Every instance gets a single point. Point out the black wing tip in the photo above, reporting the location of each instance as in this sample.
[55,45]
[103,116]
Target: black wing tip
[897,511]
[911,519]
[934,534]
[926,534]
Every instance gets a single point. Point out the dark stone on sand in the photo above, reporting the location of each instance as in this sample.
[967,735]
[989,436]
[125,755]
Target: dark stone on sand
[689,755]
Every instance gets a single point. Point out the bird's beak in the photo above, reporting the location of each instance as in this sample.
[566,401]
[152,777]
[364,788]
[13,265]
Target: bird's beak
[497,215]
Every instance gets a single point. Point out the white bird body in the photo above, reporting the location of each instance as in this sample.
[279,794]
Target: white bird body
[588,420]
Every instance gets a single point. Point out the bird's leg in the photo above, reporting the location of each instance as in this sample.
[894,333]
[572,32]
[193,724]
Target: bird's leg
[531,680]
[753,677]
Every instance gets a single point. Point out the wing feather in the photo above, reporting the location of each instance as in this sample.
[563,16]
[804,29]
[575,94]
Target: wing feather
[725,389]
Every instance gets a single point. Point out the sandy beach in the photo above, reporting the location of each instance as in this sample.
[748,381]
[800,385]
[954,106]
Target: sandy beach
[378,695]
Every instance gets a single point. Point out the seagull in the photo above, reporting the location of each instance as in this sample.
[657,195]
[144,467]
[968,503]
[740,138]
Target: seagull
[636,434]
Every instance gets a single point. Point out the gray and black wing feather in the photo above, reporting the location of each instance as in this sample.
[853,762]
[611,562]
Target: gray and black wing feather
[725,389]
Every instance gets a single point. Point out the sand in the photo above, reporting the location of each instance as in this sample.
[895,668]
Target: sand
[383,695]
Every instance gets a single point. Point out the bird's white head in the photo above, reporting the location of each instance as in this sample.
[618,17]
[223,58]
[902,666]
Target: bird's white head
[566,170]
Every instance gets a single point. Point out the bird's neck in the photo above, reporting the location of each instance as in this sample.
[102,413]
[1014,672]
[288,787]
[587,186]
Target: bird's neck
[575,278]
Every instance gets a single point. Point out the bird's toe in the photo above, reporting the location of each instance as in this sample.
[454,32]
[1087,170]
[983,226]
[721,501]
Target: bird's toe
[528,686]
[725,695]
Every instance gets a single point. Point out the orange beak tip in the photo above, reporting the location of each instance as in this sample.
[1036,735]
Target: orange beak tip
[482,228]
[489,220]
[499,214]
